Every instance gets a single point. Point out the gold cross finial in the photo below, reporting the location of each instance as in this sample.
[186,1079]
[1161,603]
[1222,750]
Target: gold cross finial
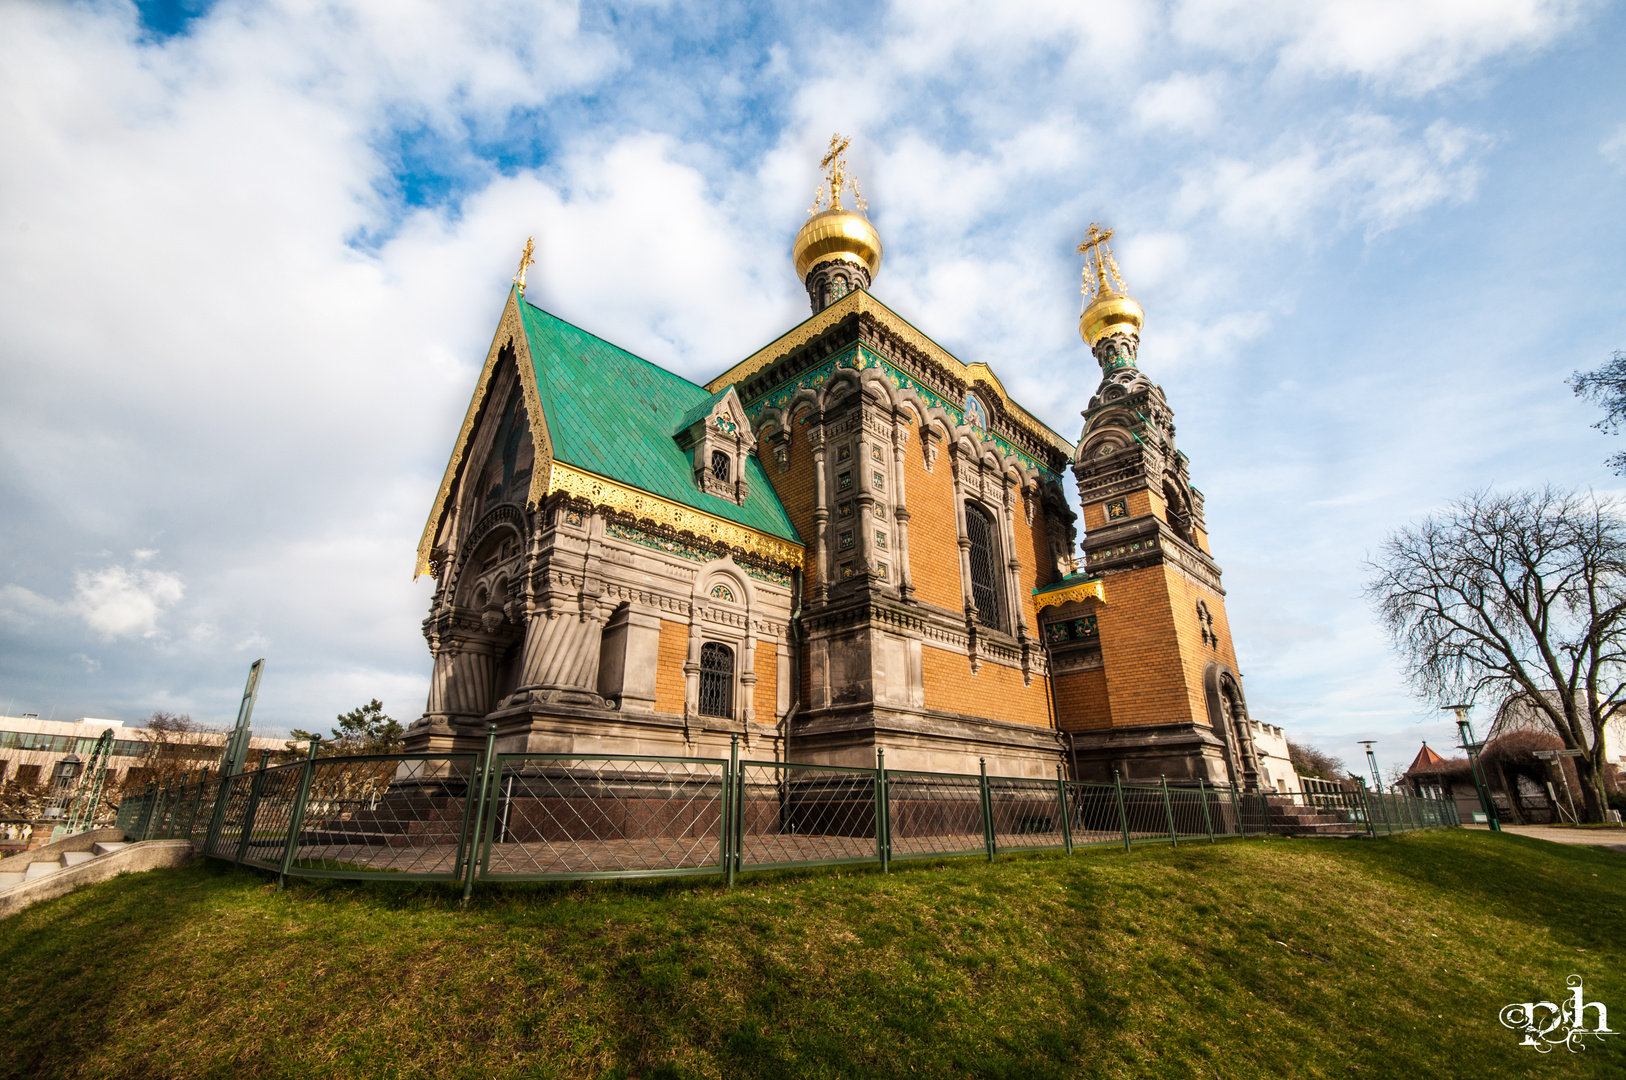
[524,261]
[1099,264]
[834,165]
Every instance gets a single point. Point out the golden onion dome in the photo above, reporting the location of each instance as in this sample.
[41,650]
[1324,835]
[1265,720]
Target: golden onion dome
[1110,313]
[840,234]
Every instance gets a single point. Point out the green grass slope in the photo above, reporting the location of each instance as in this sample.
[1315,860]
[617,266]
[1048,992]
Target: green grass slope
[1301,958]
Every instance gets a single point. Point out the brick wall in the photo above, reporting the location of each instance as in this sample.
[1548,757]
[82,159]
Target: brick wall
[995,692]
[934,540]
[1082,703]
[673,653]
[1142,652]
[796,490]
[766,698]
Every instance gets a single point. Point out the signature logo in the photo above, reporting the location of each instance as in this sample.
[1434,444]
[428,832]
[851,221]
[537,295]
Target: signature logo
[1546,1024]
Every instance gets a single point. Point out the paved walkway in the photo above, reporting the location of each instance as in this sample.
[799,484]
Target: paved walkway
[1612,839]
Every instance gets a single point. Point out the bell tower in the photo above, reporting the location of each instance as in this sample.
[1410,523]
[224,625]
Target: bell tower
[1164,698]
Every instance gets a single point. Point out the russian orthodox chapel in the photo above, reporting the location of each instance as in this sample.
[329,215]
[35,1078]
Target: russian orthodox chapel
[849,540]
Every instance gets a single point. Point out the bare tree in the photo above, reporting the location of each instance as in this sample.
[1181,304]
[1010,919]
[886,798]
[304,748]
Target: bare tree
[1515,593]
[1308,761]
[1607,387]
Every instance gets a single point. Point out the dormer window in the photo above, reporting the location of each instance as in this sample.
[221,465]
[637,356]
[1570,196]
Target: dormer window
[720,465]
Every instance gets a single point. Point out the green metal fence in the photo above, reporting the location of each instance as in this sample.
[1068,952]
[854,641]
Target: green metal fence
[522,817]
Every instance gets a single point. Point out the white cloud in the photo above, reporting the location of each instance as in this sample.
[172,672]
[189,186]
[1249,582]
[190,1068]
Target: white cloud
[1613,148]
[119,602]
[1364,170]
[1410,45]
[1183,102]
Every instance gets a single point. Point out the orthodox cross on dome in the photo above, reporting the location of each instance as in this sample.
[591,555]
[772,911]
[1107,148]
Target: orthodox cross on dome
[827,196]
[1099,265]
[524,261]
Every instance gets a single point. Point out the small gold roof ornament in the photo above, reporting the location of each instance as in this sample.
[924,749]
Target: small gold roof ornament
[1108,308]
[524,261]
[833,231]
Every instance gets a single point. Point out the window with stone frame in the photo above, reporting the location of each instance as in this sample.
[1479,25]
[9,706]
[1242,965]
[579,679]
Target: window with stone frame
[979,529]
[716,680]
[720,465]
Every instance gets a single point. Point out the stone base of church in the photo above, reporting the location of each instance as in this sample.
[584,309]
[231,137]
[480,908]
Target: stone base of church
[928,741]
[558,728]
[1181,752]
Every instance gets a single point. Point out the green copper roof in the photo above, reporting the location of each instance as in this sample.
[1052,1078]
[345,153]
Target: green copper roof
[1065,583]
[614,414]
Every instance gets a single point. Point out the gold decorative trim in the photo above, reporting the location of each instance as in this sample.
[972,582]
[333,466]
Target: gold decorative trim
[511,327]
[601,491]
[1084,590]
[861,302]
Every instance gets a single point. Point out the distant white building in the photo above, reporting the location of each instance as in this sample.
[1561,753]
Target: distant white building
[1276,770]
[31,749]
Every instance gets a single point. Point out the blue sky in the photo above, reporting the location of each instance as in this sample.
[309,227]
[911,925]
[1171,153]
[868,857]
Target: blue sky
[252,253]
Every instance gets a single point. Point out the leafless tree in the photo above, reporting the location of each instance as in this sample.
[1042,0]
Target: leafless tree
[1517,593]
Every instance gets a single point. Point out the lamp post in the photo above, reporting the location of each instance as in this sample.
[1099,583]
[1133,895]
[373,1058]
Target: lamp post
[1372,763]
[1468,744]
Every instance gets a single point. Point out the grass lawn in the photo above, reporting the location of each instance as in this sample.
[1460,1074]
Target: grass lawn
[1301,958]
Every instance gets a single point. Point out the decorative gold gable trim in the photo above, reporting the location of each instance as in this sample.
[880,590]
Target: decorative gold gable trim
[601,491]
[861,302]
[1084,590]
[511,328]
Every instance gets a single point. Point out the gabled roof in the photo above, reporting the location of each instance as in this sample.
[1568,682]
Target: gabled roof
[1426,761]
[614,414]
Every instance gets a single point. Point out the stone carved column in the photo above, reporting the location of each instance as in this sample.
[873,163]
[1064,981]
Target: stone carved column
[821,514]
[865,497]
[957,465]
[900,442]
[1013,576]
[748,672]
[691,667]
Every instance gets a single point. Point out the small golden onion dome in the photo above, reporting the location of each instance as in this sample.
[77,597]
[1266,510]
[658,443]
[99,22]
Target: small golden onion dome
[841,234]
[1110,313]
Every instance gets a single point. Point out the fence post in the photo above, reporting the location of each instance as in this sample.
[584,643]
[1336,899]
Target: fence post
[987,810]
[145,812]
[1168,810]
[197,803]
[1123,815]
[883,814]
[217,816]
[1202,793]
[1236,811]
[480,839]
[735,810]
[1061,804]
[1371,823]
[296,817]
[248,819]
[158,809]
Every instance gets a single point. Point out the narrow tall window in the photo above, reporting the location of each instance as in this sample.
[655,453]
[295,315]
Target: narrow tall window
[984,591]
[716,680]
[719,465]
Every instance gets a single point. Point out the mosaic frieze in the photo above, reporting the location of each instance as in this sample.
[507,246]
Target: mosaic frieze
[688,551]
[858,359]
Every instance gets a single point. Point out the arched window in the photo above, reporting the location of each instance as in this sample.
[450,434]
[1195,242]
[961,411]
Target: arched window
[720,465]
[984,590]
[840,289]
[716,680]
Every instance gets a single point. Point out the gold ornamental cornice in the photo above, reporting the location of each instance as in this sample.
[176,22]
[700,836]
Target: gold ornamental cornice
[511,328]
[1084,590]
[602,491]
[860,302]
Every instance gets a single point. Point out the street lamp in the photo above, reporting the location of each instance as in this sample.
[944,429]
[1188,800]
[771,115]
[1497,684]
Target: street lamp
[1372,763]
[1467,732]
[66,772]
